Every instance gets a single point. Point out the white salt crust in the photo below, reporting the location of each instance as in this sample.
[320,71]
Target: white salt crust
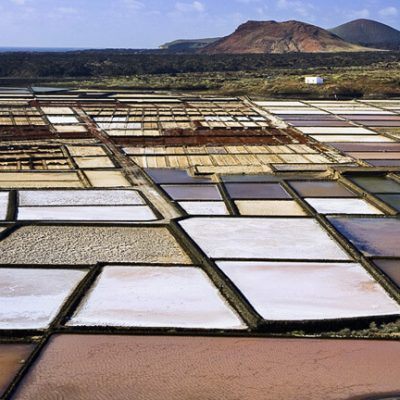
[280,238]
[309,291]
[178,297]
[101,213]
[31,298]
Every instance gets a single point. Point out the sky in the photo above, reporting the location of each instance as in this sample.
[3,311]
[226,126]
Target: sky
[150,23]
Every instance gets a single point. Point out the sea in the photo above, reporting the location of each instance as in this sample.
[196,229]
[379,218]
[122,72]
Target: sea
[37,49]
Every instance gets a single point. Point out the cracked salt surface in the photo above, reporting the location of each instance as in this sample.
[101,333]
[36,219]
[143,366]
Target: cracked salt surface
[88,245]
[79,197]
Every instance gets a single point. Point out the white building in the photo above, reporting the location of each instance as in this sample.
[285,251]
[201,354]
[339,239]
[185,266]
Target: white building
[314,80]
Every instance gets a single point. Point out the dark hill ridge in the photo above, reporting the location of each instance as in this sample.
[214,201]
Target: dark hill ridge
[187,46]
[369,33]
[260,37]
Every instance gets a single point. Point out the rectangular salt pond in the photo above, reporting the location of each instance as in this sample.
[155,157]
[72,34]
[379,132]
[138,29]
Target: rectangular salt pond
[118,125]
[365,147]
[376,184]
[263,238]
[309,291]
[88,245]
[320,189]
[318,123]
[192,192]
[87,213]
[317,118]
[352,138]
[297,111]
[57,111]
[391,268]
[107,179]
[343,206]
[174,176]
[264,178]
[354,113]
[376,155]
[3,205]
[33,177]
[63,120]
[282,208]
[79,198]
[383,163]
[204,207]
[385,124]
[31,298]
[374,118]
[12,358]
[393,200]
[335,131]
[176,297]
[247,191]
[374,237]
[86,151]
[230,368]
[280,103]
[70,128]
[94,162]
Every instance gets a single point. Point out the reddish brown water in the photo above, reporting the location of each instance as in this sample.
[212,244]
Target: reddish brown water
[11,361]
[192,368]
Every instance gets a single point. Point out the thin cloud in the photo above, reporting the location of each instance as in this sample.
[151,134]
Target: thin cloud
[389,12]
[301,8]
[195,6]
[19,2]
[67,10]
[363,13]
[135,5]
[248,1]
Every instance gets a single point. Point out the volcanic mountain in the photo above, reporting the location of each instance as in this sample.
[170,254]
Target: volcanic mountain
[279,37]
[369,33]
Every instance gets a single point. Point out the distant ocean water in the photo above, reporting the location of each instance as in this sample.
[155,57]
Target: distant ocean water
[37,49]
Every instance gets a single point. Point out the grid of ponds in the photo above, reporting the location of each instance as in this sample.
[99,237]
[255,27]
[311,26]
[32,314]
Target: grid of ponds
[128,259]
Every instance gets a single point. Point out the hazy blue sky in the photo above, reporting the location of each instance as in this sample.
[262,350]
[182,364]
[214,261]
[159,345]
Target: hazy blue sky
[149,23]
